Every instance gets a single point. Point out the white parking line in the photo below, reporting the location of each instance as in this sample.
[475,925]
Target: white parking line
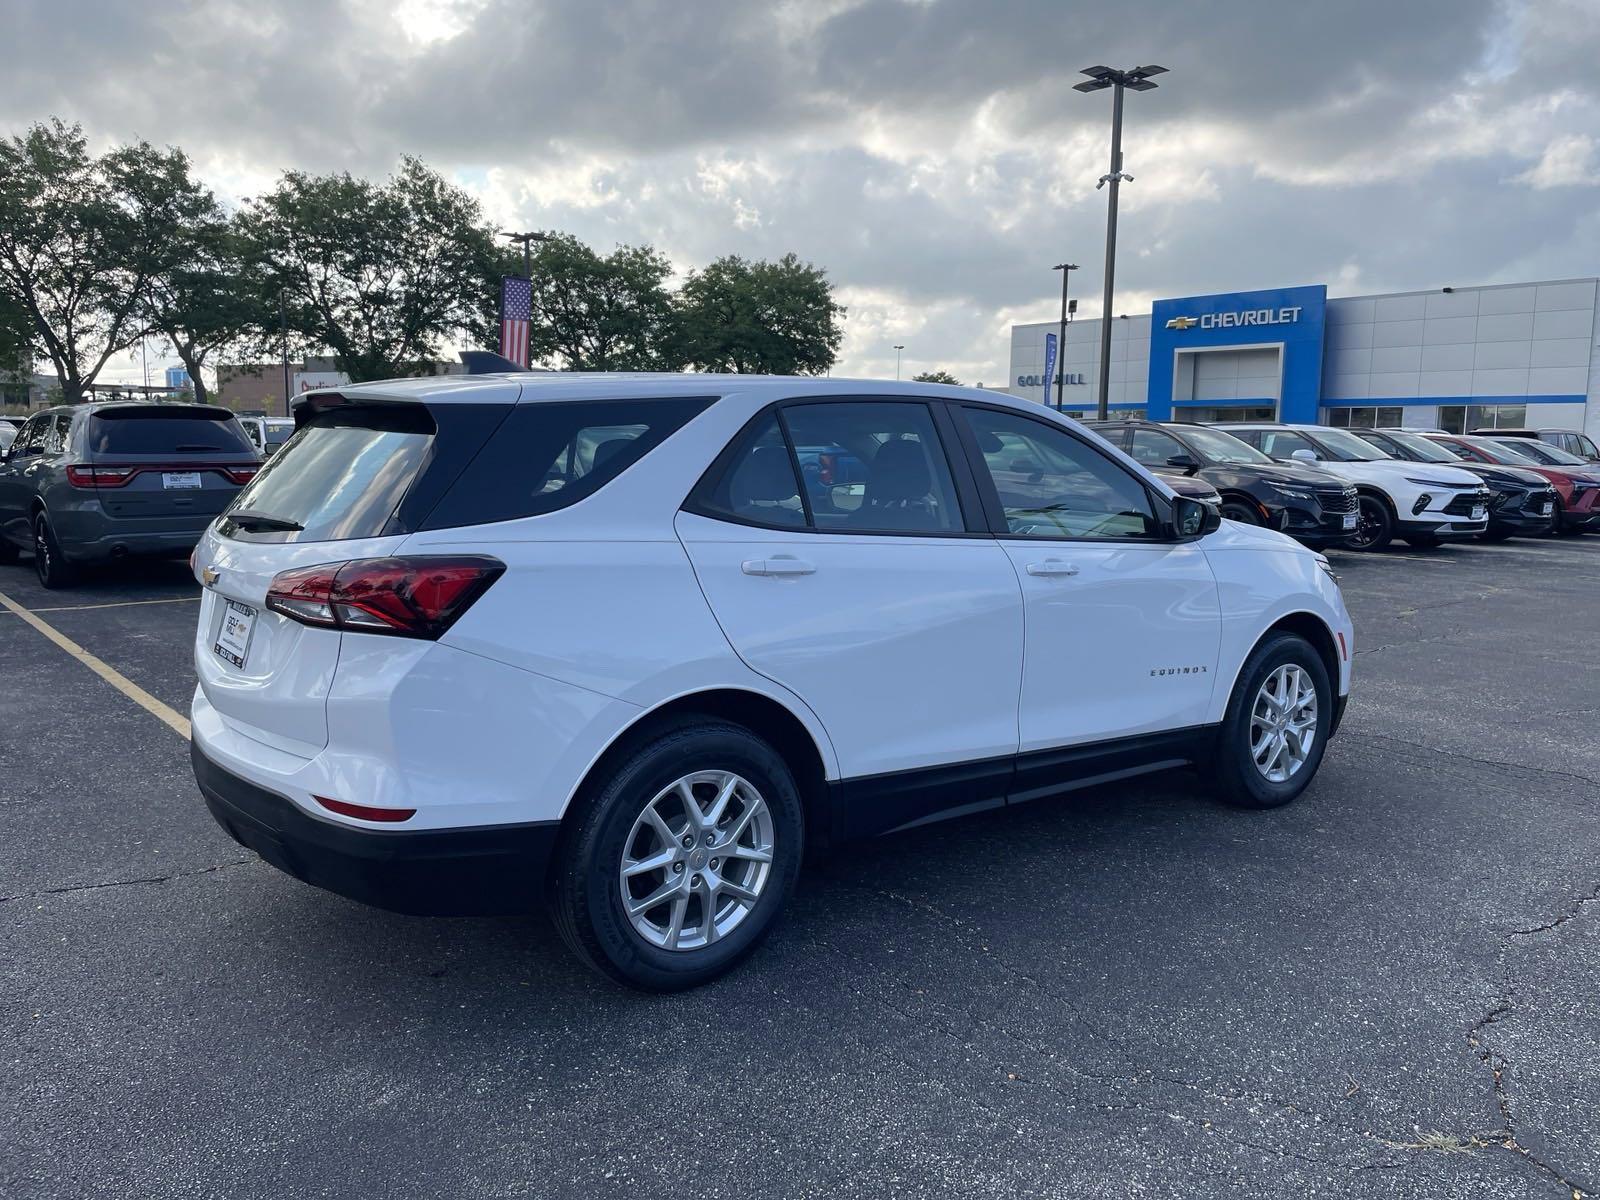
[100,667]
[113,604]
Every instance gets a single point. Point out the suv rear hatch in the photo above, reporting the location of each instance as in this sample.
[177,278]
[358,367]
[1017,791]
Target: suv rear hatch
[355,480]
[165,467]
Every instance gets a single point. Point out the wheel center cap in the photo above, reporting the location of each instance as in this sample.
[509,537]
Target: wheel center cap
[698,859]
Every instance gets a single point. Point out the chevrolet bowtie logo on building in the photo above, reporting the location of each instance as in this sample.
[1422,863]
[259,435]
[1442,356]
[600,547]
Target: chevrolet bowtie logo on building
[1235,320]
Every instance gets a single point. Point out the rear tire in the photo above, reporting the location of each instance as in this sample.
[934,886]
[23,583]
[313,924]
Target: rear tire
[1374,524]
[1246,758]
[52,567]
[597,906]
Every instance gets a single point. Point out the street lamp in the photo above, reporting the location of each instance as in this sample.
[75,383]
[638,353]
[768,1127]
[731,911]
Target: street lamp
[527,240]
[1066,270]
[1137,80]
[897,350]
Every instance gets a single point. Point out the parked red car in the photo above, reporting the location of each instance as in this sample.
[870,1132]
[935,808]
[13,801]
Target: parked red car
[1577,485]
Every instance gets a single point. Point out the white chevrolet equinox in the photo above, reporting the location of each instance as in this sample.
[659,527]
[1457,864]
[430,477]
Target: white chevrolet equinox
[628,644]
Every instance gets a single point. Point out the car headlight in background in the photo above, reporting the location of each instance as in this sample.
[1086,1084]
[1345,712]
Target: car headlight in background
[1439,483]
[1294,493]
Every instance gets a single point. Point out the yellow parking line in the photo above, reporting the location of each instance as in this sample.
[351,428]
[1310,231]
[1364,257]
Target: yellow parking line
[116,604]
[100,667]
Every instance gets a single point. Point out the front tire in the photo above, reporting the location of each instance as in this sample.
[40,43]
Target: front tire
[681,858]
[50,564]
[1233,510]
[1374,524]
[1276,728]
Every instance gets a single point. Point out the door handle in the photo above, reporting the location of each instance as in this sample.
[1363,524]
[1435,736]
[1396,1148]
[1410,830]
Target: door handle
[782,565]
[1052,566]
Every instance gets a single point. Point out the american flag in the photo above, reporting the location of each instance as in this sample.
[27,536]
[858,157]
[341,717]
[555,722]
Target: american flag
[516,315]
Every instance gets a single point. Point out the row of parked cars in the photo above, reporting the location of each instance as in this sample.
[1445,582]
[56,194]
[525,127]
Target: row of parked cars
[1362,488]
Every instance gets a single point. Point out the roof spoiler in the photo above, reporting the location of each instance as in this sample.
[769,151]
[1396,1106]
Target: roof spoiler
[487,362]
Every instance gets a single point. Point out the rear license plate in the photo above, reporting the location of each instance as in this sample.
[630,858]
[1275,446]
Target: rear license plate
[1479,513]
[1350,520]
[180,479]
[233,638]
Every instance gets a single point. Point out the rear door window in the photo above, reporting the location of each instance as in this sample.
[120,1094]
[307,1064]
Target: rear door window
[165,430]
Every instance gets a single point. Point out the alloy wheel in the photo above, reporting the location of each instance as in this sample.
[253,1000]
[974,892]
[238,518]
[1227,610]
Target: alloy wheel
[1368,525]
[1283,723]
[696,860]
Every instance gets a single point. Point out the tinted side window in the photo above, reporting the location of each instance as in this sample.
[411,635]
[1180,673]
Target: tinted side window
[1153,448]
[888,470]
[753,480]
[1282,445]
[32,436]
[547,456]
[1052,485]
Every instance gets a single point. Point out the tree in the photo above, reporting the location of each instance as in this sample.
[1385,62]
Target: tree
[384,276]
[200,296]
[773,318]
[16,335]
[71,254]
[595,313]
[936,377]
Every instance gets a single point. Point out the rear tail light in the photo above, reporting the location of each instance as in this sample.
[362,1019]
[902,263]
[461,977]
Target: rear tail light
[109,477]
[106,477]
[417,597]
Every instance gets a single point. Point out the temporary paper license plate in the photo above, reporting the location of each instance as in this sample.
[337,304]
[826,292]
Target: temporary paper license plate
[180,479]
[1479,512]
[1350,520]
[233,638]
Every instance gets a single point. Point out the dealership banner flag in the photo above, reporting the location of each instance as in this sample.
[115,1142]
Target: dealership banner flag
[1049,364]
[516,316]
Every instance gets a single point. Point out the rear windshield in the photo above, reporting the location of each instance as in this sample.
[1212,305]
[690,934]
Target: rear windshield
[159,430]
[277,435]
[343,477]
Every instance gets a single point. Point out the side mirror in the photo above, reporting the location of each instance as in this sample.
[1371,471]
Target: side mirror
[1191,519]
[1304,456]
[1187,463]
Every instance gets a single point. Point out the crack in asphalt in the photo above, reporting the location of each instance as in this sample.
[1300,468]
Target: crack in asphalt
[1485,762]
[1573,910]
[118,883]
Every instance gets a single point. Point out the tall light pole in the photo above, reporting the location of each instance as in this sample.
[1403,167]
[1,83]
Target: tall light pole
[1066,270]
[283,346]
[1137,80]
[527,240]
[897,350]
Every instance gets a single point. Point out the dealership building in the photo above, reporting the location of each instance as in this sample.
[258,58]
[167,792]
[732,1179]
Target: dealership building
[1455,358]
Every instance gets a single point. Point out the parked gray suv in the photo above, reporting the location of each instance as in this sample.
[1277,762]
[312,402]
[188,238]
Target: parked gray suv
[94,482]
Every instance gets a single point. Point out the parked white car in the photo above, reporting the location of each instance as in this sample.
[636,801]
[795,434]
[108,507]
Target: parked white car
[268,433]
[1423,503]
[630,642]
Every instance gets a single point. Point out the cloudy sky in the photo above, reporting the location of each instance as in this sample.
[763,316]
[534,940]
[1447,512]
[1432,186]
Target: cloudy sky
[929,153]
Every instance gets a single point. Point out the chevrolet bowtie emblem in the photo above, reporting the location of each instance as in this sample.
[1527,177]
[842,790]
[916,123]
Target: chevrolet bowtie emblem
[1183,322]
[208,576]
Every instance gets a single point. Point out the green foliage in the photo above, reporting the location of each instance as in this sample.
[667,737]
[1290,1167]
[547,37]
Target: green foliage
[383,275]
[936,377]
[17,339]
[73,251]
[771,318]
[600,313]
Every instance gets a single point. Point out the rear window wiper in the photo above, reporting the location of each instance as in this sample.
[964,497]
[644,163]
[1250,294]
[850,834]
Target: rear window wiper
[260,522]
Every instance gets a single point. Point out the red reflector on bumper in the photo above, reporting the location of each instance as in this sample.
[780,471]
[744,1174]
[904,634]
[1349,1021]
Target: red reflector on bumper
[365,812]
[1344,651]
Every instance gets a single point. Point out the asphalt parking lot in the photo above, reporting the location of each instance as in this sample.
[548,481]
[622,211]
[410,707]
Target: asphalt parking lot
[1387,989]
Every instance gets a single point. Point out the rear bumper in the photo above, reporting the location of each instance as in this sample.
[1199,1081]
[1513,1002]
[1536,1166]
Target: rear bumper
[481,870]
[116,545]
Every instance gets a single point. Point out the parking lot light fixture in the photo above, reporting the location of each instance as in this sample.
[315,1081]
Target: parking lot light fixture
[1066,270]
[1137,80]
[897,350]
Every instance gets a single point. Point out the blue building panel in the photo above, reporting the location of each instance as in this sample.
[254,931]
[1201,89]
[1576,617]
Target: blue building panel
[1291,318]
